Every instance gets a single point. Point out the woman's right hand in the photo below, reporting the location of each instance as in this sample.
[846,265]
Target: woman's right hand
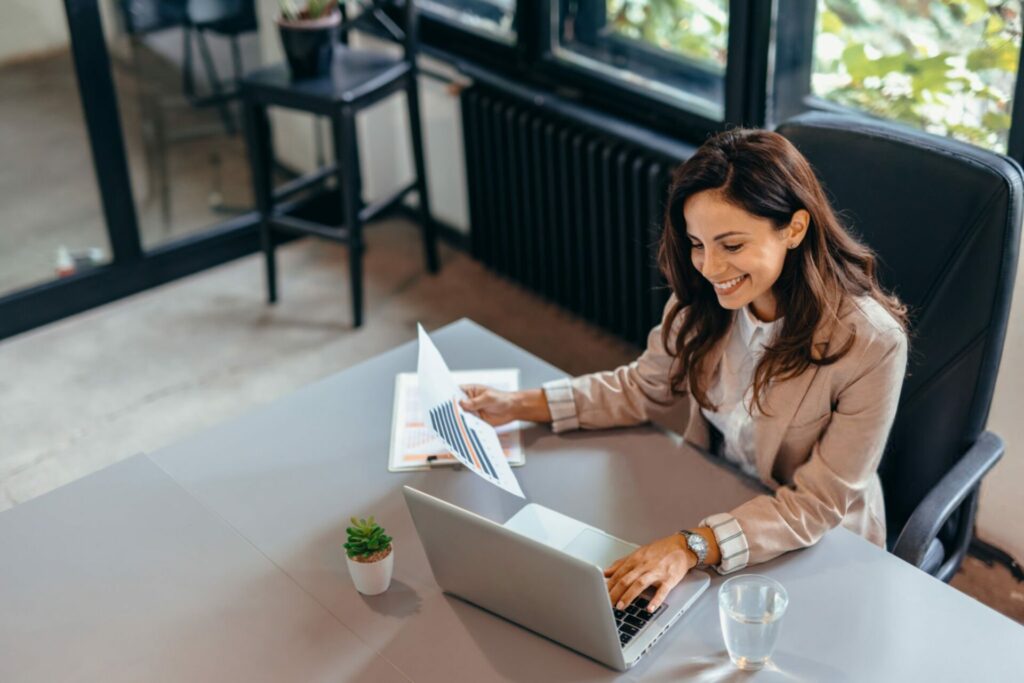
[498,407]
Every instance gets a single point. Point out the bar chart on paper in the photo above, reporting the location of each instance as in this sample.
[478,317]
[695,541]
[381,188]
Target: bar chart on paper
[445,419]
[413,438]
[472,441]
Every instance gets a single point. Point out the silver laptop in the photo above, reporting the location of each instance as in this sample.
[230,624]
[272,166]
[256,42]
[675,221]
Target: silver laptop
[543,570]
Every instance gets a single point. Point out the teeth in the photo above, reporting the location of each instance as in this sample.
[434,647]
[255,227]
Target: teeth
[728,284]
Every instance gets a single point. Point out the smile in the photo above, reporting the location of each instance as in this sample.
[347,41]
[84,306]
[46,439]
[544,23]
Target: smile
[729,286]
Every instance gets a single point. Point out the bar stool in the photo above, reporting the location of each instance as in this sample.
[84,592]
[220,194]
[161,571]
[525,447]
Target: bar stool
[358,79]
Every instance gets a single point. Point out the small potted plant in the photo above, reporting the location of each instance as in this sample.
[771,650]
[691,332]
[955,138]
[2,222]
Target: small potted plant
[371,558]
[309,35]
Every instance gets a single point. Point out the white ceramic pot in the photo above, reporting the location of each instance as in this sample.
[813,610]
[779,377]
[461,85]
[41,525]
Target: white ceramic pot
[372,578]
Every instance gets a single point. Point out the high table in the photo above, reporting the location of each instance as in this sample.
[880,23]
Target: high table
[221,558]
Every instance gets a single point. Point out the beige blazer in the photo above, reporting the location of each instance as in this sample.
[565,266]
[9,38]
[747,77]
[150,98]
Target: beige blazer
[819,445]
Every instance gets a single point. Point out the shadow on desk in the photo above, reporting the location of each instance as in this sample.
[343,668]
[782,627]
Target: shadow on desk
[783,667]
[399,600]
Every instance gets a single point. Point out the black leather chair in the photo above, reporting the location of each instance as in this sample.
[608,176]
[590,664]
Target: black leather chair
[945,220]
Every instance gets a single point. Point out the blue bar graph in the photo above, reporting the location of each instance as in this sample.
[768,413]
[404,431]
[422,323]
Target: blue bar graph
[463,439]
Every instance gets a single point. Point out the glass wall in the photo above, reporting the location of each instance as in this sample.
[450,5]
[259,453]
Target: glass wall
[493,19]
[51,221]
[674,50]
[175,68]
[948,67]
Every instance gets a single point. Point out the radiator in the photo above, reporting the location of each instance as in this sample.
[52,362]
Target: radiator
[568,210]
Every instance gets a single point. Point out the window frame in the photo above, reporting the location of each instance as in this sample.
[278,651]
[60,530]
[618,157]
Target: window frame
[795,59]
[427,14]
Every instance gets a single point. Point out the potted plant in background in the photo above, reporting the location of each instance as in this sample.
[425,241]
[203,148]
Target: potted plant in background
[371,558]
[308,35]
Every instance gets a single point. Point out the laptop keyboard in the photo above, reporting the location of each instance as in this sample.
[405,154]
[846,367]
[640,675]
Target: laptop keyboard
[634,618]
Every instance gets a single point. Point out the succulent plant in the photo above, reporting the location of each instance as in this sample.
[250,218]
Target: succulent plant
[314,9]
[366,538]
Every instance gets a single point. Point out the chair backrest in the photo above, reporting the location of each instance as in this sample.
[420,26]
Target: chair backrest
[944,218]
[396,20]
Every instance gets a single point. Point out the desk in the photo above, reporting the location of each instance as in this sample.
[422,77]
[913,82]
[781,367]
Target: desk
[276,487]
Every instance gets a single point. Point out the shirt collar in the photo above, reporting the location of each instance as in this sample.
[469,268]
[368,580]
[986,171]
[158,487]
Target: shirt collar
[751,327]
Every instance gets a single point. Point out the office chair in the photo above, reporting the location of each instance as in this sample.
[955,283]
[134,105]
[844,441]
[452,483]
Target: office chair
[944,218]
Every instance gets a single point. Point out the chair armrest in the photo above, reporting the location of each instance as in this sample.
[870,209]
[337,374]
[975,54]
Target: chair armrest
[943,500]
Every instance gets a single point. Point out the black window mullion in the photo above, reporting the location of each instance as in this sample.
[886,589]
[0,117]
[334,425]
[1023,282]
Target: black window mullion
[1015,142]
[794,59]
[746,70]
[103,125]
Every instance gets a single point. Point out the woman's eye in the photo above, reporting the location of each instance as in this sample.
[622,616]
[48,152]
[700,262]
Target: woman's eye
[733,248]
[696,246]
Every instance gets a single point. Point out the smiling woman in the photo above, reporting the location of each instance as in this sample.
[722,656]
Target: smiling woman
[791,354]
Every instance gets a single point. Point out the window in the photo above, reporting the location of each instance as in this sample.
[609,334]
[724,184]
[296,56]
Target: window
[674,50]
[490,18]
[947,67]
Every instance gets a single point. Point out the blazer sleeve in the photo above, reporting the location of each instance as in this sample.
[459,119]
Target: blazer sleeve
[619,397]
[842,464]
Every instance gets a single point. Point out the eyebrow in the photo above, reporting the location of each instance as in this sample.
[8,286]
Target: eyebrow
[731,233]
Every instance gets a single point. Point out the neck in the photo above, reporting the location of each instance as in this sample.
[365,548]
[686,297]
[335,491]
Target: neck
[764,309]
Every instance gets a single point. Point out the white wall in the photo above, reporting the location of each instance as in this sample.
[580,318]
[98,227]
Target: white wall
[1001,510]
[29,27]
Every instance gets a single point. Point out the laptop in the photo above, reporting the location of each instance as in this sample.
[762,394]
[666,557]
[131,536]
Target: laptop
[544,571]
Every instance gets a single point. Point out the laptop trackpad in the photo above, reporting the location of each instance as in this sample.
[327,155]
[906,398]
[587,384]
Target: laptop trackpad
[598,548]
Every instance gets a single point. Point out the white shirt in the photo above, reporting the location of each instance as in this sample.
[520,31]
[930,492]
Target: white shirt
[733,391]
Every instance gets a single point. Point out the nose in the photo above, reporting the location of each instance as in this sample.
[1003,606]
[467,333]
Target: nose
[710,265]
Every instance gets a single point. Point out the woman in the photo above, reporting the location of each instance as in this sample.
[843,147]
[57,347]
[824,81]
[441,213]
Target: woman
[789,351]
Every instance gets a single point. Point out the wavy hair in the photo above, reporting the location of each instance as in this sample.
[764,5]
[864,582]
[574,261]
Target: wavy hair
[762,173]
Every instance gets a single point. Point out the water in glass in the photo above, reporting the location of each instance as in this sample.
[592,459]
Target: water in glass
[750,608]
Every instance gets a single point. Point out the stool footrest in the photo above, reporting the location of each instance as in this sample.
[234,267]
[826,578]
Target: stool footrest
[304,227]
[371,211]
[304,182]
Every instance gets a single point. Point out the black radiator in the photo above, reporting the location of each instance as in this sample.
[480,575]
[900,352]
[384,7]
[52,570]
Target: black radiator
[569,210]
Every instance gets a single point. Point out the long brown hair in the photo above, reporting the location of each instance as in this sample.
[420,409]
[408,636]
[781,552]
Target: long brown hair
[762,173]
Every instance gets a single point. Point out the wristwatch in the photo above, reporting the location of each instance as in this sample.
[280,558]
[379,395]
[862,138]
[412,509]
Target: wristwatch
[698,544]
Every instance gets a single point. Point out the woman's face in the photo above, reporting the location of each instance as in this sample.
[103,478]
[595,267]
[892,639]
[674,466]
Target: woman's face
[739,253]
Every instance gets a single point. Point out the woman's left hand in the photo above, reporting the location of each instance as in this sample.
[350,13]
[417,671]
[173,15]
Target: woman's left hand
[662,563]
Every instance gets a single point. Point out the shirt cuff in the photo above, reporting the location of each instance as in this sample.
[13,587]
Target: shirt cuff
[732,542]
[561,404]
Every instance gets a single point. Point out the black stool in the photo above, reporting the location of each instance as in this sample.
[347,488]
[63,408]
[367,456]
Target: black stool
[358,79]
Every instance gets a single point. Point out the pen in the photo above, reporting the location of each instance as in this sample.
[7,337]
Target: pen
[435,461]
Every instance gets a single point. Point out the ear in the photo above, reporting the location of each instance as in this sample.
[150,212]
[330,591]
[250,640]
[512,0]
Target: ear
[798,228]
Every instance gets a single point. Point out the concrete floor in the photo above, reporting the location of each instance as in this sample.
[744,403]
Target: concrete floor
[135,375]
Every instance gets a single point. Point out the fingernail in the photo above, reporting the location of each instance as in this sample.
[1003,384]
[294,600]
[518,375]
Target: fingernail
[619,605]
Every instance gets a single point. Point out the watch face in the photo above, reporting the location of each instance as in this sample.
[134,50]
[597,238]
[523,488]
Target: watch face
[699,545]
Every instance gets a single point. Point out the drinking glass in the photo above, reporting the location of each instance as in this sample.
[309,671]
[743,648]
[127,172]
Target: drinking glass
[750,608]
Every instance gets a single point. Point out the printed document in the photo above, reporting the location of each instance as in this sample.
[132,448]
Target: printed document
[413,440]
[473,442]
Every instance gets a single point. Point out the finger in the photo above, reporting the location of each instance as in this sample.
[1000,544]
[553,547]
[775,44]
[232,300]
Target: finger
[619,587]
[614,566]
[623,569]
[636,588]
[659,596]
[472,390]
